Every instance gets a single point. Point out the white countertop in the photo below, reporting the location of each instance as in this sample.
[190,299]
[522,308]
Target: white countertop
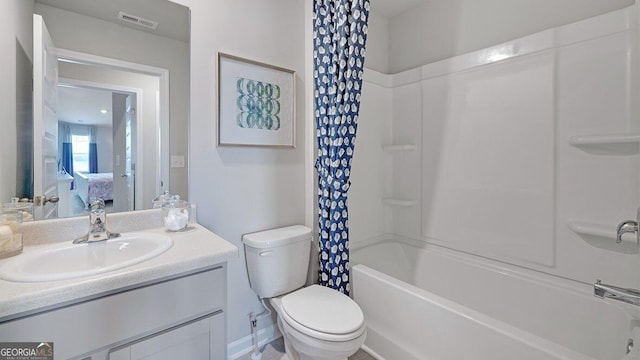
[193,249]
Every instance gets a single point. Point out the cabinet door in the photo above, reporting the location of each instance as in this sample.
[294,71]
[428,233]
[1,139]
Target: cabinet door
[199,340]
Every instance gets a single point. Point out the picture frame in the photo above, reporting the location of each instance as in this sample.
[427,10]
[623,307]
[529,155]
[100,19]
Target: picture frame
[256,103]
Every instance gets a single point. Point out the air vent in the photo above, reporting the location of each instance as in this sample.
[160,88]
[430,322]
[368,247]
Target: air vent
[133,19]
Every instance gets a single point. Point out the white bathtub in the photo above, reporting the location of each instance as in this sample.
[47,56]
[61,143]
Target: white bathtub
[434,304]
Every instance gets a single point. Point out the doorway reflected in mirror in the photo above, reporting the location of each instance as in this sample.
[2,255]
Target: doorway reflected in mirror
[103,116]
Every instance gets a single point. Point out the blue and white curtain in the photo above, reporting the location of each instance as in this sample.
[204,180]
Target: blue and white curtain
[93,150]
[67,150]
[339,36]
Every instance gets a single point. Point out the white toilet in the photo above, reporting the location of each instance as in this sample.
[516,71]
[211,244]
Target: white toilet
[316,322]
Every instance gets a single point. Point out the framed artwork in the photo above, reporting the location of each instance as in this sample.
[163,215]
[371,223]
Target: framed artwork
[256,103]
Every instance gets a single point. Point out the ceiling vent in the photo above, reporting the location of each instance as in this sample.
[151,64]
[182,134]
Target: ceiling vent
[133,19]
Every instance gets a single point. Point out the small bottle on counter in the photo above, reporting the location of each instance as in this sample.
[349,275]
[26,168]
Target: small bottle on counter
[10,238]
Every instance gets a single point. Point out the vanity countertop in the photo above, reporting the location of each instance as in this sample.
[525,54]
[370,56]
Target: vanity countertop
[194,249]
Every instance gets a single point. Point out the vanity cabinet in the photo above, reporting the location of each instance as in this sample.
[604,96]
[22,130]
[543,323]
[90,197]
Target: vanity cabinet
[182,317]
[192,341]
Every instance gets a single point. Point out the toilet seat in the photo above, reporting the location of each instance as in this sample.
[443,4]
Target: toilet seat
[322,313]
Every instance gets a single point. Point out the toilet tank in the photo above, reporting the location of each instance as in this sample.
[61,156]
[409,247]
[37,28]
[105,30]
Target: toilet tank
[278,259]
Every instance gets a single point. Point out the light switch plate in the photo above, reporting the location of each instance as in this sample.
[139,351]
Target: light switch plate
[177,161]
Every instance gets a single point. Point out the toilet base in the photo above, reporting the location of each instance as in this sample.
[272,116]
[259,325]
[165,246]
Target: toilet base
[301,347]
[285,357]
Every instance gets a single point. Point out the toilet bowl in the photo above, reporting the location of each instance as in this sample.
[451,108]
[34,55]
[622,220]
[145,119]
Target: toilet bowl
[317,323]
[333,331]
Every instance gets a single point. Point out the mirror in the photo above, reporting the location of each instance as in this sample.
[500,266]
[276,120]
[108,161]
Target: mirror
[122,106]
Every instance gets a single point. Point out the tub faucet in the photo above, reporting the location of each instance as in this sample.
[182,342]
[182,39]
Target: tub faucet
[629,226]
[629,296]
[97,225]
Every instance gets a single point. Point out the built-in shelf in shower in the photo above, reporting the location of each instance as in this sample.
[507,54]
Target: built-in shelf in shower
[399,202]
[592,229]
[398,147]
[604,237]
[610,144]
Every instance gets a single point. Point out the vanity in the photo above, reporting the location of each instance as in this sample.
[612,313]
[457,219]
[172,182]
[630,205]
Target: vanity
[171,306]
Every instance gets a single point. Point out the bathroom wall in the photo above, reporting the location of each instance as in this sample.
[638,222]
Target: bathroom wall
[89,35]
[432,31]
[377,55]
[438,30]
[520,150]
[370,174]
[239,190]
[368,217]
[105,148]
[17,43]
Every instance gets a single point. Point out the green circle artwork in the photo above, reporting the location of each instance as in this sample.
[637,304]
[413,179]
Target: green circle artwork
[258,105]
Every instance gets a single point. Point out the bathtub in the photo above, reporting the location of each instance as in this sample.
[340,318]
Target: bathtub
[425,302]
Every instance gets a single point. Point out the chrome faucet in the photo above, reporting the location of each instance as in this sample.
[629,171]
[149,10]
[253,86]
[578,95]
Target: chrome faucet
[629,296]
[97,225]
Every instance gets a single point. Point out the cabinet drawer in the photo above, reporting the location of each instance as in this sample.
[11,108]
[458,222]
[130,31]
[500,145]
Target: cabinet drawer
[194,341]
[118,318]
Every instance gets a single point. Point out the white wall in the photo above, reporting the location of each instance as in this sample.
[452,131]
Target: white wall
[368,217]
[104,140]
[370,176]
[377,55]
[494,174]
[17,30]
[438,30]
[240,190]
[89,35]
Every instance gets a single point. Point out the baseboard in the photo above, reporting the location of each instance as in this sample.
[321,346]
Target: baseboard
[373,354]
[244,345]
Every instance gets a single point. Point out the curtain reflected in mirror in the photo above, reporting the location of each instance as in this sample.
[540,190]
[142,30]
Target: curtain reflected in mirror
[66,164]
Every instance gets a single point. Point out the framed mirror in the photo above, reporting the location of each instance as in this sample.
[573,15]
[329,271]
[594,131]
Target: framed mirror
[109,112]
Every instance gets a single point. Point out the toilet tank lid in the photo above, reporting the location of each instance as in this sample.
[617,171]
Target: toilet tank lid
[277,237]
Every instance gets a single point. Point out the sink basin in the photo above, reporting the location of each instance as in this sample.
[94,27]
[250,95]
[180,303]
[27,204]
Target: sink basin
[67,261]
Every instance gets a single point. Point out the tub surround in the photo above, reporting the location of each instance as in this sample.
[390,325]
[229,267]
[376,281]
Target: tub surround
[193,250]
[480,174]
[540,152]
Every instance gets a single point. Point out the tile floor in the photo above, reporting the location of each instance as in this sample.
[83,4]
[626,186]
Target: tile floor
[275,349]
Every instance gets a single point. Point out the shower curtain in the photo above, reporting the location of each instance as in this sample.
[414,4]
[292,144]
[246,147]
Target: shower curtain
[339,36]
[93,150]
[67,151]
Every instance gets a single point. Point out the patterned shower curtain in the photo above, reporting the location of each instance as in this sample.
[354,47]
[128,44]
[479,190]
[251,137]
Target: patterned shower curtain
[93,150]
[339,35]
[67,150]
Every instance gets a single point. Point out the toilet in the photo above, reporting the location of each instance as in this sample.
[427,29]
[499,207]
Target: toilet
[315,321]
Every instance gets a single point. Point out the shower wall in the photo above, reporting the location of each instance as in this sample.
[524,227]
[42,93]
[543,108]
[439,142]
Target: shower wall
[440,29]
[524,152]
